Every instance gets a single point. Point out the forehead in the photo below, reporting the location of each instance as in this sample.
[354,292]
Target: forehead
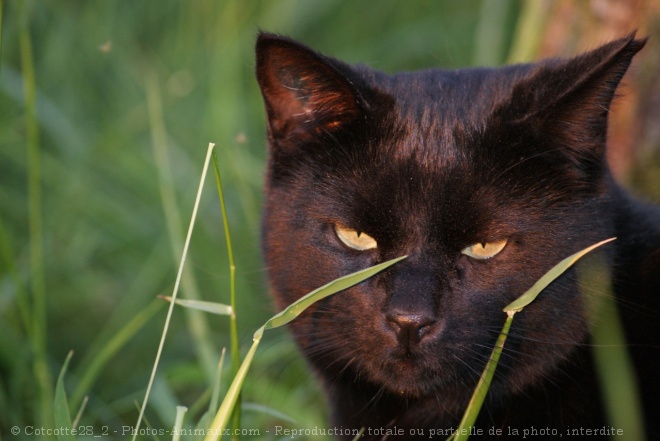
[437,116]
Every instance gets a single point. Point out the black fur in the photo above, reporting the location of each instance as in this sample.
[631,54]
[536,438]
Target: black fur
[428,163]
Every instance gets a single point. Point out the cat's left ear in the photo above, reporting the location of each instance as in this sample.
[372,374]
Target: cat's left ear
[305,93]
[569,100]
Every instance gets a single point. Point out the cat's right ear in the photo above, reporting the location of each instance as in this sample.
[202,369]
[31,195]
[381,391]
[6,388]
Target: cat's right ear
[305,93]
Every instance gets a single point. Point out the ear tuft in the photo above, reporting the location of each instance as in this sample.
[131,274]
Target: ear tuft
[568,100]
[305,93]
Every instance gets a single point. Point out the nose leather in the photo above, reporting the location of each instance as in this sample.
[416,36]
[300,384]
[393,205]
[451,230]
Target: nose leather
[409,328]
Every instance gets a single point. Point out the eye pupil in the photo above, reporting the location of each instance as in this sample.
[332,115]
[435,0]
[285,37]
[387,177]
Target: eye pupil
[484,250]
[354,239]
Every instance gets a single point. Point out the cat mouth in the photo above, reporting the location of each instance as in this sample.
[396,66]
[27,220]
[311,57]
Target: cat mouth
[431,368]
[410,378]
[404,371]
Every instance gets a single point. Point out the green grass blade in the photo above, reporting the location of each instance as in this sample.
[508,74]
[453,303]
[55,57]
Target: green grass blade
[479,395]
[234,351]
[201,305]
[616,372]
[226,408]
[178,422]
[284,317]
[61,407]
[215,396]
[613,363]
[548,277]
[153,431]
[207,418]
[81,411]
[296,308]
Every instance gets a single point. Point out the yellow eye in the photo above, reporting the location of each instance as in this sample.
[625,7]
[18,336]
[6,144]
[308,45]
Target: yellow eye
[483,251]
[353,239]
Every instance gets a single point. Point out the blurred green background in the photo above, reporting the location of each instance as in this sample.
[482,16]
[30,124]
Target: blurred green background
[106,110]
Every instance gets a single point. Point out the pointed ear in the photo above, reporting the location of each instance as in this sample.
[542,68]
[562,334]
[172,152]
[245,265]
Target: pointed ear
[567,101]
[305,93]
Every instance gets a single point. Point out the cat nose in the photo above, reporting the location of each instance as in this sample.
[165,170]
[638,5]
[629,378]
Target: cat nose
[409,328]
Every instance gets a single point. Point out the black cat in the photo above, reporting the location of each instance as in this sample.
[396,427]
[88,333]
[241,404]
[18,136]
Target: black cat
[485,178]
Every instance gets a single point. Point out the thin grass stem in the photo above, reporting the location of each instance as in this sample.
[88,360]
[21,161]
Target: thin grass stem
[175,291]
[479,395]
[61,413]
[215,395]
[178,423]
[233,329]
[81,411]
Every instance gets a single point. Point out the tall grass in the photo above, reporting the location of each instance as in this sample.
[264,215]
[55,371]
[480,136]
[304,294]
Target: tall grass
[233,330]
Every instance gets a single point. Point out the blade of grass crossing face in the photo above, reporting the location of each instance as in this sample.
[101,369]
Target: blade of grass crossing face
[548,277]
[479,395]
[284,317]
[294,310]
[61,406]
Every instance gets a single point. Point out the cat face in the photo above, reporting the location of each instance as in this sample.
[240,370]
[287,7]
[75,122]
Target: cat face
[484,178]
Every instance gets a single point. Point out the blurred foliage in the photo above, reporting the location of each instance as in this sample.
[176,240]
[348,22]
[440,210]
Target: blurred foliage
[106,244]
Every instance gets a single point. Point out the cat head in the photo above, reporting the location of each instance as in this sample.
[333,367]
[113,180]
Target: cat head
[485,178]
